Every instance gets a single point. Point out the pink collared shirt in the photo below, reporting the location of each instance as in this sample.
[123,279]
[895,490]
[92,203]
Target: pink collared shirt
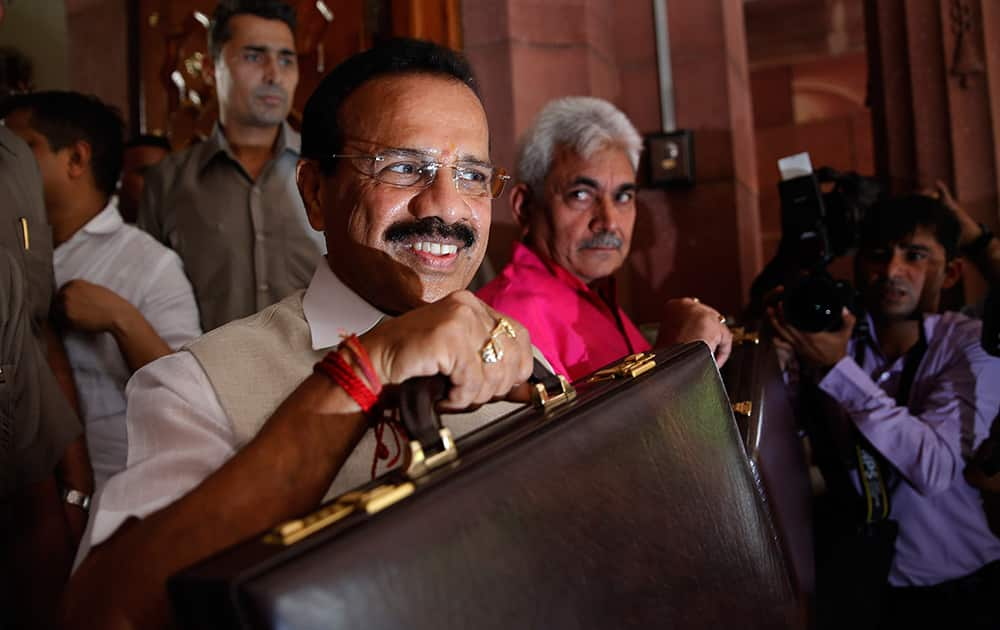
[573,325]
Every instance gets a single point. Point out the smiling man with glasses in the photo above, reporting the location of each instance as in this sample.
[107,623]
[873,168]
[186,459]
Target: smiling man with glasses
[260,419]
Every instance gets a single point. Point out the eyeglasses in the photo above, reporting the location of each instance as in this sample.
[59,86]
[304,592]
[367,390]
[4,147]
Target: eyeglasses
[407,169]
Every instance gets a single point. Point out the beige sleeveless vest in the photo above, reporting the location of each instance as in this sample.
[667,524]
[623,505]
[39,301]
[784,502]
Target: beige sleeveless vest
[255,363]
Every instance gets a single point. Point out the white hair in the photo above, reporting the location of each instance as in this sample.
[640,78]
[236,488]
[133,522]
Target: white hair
[581,123]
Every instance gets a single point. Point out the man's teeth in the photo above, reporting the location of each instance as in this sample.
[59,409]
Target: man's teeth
[436,249]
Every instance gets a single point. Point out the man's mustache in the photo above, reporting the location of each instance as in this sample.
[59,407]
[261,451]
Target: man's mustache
[429,227]
[603,240]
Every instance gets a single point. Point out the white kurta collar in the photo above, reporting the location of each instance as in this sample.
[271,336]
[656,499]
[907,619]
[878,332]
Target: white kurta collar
[333,310]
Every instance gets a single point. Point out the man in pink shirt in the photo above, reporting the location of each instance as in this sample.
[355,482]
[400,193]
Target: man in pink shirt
[575,201]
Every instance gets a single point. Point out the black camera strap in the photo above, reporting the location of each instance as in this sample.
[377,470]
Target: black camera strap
[873,468]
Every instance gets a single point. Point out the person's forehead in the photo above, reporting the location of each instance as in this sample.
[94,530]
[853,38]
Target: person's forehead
[18,120]
[252,30]
[922,236]
[422,112]
[606,162]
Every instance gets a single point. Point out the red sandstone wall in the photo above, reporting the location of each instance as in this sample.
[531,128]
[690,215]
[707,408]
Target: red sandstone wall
[816,106]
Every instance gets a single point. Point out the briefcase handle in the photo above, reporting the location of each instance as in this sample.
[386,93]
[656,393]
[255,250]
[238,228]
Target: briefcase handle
[432,444]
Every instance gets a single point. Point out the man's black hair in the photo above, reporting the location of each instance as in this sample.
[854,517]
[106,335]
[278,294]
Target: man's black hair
[149,140]
[68,117]
[219,32]
[895,218]
[321,131]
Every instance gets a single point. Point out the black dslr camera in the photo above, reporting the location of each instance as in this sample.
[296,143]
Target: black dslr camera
[816,227]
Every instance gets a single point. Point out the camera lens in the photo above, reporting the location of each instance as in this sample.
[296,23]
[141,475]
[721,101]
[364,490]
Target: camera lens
[814,303]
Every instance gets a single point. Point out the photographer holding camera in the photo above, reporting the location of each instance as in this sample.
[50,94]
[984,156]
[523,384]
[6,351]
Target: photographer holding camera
[909,394]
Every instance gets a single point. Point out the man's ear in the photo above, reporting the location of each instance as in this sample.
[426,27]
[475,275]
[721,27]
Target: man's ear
[79,156]
[952,273]
[522,204]
[310,181]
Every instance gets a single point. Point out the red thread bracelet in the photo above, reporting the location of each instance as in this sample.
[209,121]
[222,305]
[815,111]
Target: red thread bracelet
[366,395]
[337,369]
[360,355]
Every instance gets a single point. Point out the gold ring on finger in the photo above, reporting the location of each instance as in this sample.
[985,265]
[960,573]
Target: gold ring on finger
[492,352]
[503,327]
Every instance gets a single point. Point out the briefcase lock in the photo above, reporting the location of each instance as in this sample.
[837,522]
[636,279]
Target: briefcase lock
[744,408]
[541,397]
[420,463]
[742,335]
[369,502]
[630,367]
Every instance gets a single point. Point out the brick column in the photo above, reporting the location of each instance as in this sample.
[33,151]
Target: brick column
[526,53]
[718,221]
[929,122]
[704,241]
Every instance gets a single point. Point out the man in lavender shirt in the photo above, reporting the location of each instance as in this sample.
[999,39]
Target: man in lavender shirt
[945,571]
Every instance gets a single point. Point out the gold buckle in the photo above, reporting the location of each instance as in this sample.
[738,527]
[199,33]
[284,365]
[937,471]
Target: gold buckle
[740,335]
[744,407]
[420,464]
[540,396]
[630,367]
[369,502]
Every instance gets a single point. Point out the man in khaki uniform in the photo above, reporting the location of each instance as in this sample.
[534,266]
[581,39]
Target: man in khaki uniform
[40,438]
[229,206]
[36,418]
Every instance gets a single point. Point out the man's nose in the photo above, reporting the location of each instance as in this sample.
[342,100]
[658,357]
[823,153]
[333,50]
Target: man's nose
[896,264]
[441,199]
[605,215]
[271,69]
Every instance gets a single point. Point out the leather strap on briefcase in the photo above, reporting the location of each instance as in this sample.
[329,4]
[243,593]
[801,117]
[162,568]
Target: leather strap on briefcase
[432,444]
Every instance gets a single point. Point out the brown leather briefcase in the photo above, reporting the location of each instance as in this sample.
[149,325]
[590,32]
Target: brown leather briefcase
[630,505]
[772,442]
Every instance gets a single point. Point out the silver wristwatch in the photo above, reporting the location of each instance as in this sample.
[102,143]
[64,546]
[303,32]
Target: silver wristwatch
[77,498]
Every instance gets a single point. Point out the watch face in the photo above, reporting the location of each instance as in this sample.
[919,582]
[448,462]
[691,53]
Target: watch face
[77,498]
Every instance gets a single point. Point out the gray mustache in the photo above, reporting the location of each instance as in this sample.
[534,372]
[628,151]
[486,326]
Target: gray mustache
[602,240]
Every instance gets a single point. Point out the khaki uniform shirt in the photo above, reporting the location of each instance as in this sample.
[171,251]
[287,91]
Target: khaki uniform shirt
[245,244]
[24,228]
[36,422]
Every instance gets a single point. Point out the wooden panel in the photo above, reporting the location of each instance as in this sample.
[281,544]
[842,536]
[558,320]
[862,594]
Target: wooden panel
[438,21]
[177,101]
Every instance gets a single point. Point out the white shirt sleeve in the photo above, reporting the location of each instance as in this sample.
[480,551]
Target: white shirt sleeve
[168,304]
[178,434]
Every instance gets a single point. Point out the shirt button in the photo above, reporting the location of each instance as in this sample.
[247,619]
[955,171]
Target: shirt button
[263,286]
[259,237]
[883,377]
